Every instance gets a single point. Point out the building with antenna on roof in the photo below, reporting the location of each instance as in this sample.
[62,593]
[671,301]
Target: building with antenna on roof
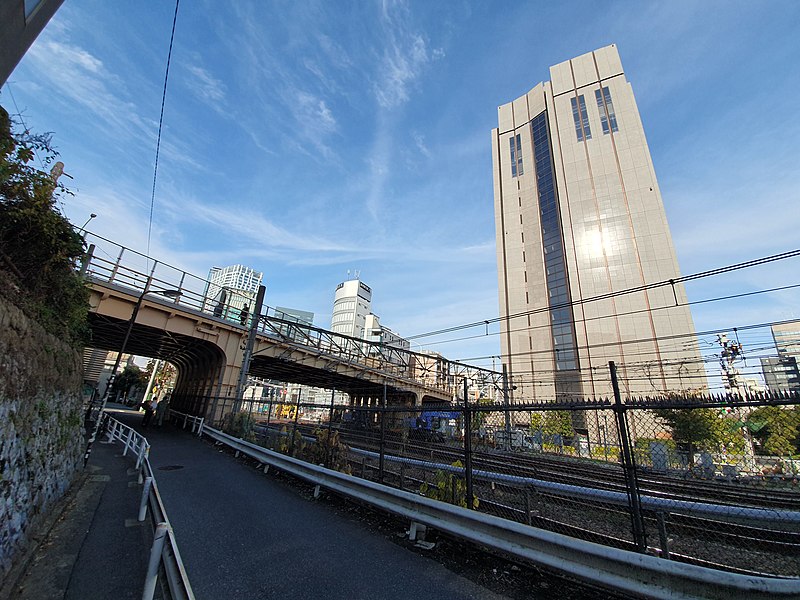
[579,224]
[351,305]
[352,316]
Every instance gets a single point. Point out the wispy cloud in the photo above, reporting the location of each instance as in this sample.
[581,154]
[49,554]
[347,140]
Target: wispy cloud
[74,76]
[419,142]
[206,86]
[404,58]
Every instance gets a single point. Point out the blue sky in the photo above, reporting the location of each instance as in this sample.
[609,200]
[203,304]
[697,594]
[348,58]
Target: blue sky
[309,139]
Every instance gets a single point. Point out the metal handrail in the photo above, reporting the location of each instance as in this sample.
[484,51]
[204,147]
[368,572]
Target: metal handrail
[165,547]
[631,572]
[197,422]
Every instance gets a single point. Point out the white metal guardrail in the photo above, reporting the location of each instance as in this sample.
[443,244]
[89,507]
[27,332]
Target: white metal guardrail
[630,572]
[164,550]
[196,422]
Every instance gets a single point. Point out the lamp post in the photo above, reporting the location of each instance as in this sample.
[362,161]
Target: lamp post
[91,216]
[112,378]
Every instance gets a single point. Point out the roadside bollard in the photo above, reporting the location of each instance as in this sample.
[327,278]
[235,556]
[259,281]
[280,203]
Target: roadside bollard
[148,483]
[159,536]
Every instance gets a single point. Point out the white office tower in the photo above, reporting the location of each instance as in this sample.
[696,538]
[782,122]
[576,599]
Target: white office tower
[351,305]
[230,288]
[580,225]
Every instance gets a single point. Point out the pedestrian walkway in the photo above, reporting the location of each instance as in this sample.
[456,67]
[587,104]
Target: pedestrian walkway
[242,534]
[93,548]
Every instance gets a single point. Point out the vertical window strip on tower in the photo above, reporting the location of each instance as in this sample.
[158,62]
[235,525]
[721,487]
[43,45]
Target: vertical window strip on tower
[576,117]
[606,108]
[581,118]
[561,320]
[587,133]
[516,155]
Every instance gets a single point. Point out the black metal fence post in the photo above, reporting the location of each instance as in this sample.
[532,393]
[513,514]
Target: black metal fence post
[329,445]
[631,483]
[382,459]
[294,427]
[467,447]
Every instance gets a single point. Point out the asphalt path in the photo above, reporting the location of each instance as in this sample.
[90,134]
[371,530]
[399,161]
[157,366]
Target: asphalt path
[242,534]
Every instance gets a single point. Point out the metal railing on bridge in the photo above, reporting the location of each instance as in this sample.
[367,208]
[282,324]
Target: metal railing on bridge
[111,264]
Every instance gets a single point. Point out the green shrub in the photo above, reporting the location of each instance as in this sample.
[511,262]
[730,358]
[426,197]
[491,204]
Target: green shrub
[39,248]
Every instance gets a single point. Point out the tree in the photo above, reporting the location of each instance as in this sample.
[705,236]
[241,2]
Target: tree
[777,429]
[132,376]
[165,376]
[696,428]
[38,246]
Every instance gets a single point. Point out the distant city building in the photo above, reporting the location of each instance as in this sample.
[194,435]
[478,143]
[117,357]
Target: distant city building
[580,224]
[352,316]
[229,289]
[781,373]
[301,317]
[392,342]
[351,305]
[21,21]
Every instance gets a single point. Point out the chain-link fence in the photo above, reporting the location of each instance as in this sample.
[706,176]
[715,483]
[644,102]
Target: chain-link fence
[710,481]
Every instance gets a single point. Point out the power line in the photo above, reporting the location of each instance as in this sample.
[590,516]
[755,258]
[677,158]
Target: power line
[609,295]
[643,340]
[633,312]
[160,123]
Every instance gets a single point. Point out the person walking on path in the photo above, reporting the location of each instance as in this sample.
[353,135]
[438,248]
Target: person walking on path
[161,410]
[149,409]
[244,314]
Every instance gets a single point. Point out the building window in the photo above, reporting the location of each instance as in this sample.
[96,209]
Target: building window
[30,7]
[606,108]
[516,155]
[581,118]
[561,317]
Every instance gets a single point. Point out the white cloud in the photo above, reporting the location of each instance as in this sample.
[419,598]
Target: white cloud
[419,142]
[405,56]
[206,86]
[75,76]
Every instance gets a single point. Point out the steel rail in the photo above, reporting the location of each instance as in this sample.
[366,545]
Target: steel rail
[771,515]
[654,503]
[176,577]
[609,567]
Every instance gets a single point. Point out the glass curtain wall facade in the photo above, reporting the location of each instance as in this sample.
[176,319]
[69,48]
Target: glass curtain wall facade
[579,224]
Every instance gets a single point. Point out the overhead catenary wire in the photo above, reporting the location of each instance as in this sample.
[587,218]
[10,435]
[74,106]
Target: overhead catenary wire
[629,313]
[646,340]
[160,124]
[615,294]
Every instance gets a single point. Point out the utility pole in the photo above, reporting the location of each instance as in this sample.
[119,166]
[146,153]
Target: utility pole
[506,404]
[255,319]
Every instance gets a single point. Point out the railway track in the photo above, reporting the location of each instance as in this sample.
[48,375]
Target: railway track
[732,544]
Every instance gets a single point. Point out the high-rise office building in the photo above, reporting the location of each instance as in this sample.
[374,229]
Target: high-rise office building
[351,305]
[580,227]
[782,373]
[229,289]
[352,316]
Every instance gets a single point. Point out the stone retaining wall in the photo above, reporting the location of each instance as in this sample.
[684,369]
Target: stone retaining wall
[41,435]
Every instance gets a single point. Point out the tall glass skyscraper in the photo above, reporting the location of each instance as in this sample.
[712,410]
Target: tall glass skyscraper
[581,229]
